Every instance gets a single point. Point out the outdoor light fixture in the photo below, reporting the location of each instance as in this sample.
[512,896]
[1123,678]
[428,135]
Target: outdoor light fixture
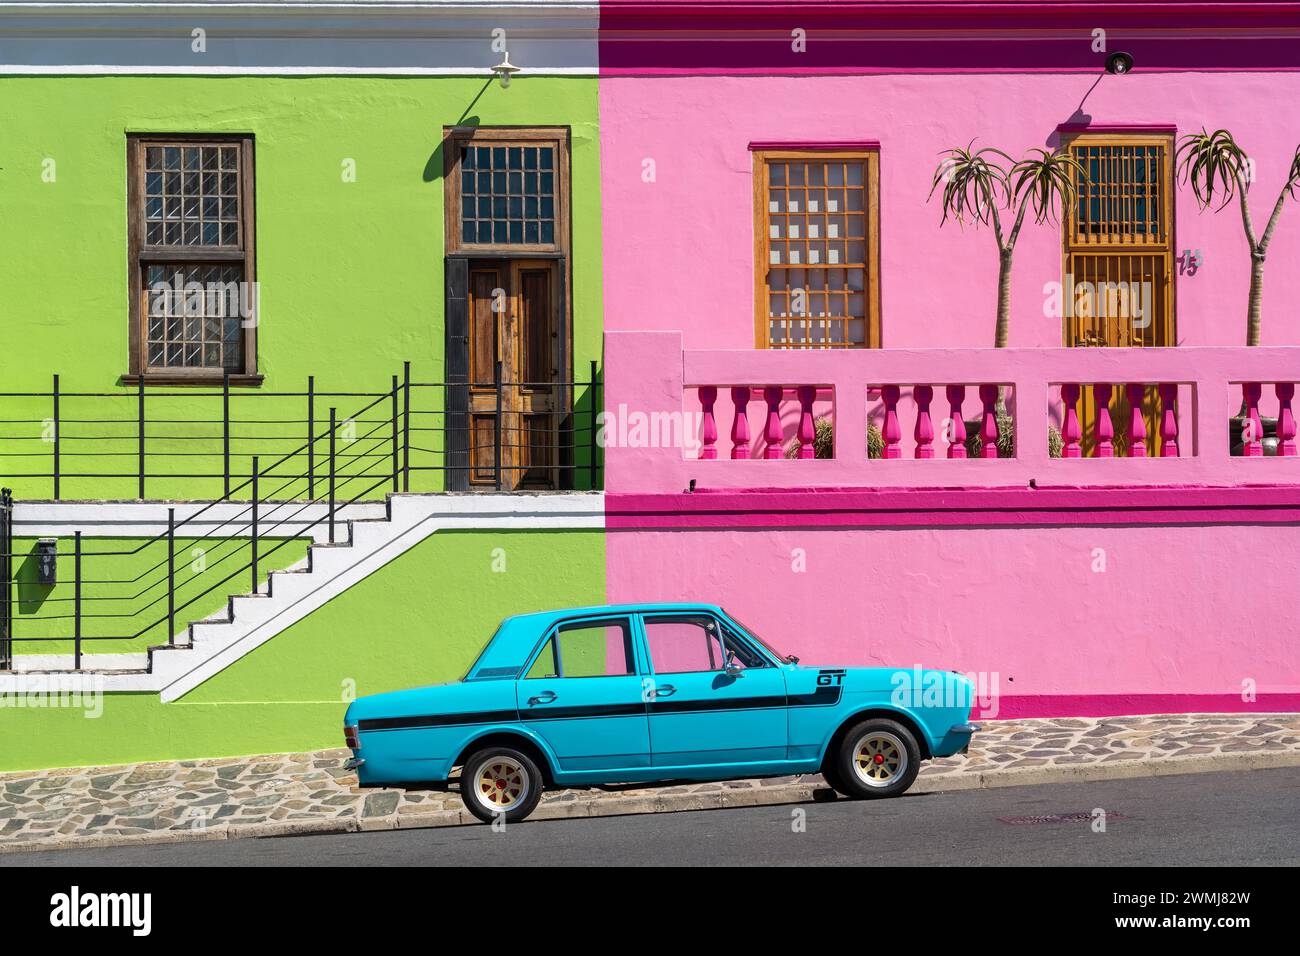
[504,69]
[1119,63]
[47,562]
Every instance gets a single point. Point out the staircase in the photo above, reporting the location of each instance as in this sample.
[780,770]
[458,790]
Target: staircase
[367,537]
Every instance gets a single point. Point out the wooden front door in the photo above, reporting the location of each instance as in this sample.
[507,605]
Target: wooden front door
[516,399]
[1118,265]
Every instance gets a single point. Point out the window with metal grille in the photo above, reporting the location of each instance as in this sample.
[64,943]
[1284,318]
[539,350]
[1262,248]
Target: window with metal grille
[1121,191]
[507,190]
[193,292]
[1118,242]
[508,194]
[817,256]
[1118,257]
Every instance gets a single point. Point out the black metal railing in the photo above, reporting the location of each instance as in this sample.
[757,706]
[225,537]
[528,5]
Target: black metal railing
[197,443]
[247,534]
[6,574]
[130,597]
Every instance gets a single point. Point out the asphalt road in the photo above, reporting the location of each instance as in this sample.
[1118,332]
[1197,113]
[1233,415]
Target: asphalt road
[1208,818]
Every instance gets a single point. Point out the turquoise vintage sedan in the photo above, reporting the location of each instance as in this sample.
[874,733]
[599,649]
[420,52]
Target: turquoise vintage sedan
[653,692]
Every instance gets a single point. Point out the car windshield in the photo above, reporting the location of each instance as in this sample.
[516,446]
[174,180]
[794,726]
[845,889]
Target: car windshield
[753,636]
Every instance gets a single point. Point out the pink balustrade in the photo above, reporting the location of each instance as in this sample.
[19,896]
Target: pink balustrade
[1160,416]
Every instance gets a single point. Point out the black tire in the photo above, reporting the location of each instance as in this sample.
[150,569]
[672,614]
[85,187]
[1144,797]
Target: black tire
[876,779]
[510,766]
[832,777]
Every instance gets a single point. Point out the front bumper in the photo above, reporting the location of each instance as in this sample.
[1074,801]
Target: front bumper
[956,740]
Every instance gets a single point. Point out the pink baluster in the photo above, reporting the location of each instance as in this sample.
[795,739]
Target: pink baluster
[989,425]
[1169,420]
[1137,426]
[740,424]
[957,438]
[1105,430]
[1070,430]
[891,430]
[772,433]
[807,427]
[924,431]
[709,427]
[1285,420]
[1253,447]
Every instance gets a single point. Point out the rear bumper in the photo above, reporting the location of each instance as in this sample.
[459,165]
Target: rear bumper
[956,740]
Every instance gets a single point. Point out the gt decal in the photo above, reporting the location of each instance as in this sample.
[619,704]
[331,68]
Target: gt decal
[830,678]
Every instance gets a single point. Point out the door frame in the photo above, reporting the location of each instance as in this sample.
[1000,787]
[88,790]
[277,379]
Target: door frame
[1166,138]
[457,262]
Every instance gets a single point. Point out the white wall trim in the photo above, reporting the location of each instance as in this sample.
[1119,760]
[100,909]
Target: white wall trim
[8,69]
[296,39]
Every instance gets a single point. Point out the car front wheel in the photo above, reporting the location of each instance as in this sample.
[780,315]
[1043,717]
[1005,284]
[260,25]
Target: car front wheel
[500,782]
[877,758]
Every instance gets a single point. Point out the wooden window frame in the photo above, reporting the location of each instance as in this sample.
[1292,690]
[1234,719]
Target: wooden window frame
[870,155]
[140,255]
[1070,245]
[456,138]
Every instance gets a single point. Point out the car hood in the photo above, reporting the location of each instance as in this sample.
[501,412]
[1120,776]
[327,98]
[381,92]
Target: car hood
[913,686]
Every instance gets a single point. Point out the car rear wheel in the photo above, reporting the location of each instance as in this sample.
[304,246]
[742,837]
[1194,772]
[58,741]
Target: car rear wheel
[877,758]
[500,782]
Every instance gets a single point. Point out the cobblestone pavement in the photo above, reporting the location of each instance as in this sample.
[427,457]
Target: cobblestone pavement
[311,792]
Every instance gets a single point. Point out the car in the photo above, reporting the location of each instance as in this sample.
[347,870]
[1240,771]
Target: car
[652,693]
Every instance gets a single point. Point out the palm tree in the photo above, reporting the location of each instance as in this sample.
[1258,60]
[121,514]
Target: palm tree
[1214,161]
[978,188]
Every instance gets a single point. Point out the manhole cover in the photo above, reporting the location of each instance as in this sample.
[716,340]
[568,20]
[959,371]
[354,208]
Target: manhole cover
[1083,816]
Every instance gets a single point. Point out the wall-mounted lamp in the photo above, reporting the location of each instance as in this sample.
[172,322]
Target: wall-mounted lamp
[1119,63]
[47,562]
[504,70]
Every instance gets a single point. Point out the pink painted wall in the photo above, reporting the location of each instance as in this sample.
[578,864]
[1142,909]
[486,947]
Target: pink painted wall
[1175,613]
[678,251]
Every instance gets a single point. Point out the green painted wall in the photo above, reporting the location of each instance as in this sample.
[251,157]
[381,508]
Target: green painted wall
[420,619]
[351,273]
[124,589]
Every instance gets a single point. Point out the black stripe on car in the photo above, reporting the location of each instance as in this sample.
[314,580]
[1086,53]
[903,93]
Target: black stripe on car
[822,697]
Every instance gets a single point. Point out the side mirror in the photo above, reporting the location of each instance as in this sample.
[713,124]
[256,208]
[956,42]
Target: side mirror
[733,670]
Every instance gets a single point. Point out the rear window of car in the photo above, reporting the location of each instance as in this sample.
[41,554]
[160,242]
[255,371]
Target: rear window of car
[586,649]
[494,662]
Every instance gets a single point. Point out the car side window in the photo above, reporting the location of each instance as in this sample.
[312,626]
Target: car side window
[690,643]
[586,649]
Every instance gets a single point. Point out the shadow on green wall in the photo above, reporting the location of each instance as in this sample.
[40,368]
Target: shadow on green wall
[433,169]
[31,592]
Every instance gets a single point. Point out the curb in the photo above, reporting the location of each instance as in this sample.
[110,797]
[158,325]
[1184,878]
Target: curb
[726,798]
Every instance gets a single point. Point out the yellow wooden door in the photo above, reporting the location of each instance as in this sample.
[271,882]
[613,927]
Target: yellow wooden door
[1118,289]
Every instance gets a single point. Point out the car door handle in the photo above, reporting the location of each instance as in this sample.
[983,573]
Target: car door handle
[545,697]
[665,690]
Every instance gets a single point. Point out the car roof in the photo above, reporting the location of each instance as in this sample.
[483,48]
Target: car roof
[518,634]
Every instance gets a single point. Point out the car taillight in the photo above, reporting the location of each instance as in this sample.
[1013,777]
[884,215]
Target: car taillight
[350,738]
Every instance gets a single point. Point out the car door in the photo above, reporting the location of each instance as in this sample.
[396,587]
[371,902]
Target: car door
[703,712]
[582,695]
